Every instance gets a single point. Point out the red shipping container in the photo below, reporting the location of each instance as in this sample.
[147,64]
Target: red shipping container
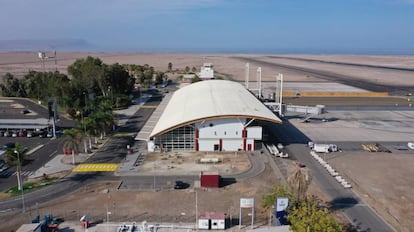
[210,180]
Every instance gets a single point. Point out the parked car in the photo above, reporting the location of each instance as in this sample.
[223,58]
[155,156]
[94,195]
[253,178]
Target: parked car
[9,145]
[2,165]
[43,134]
[7,134]
[29,134]
[22,133]
[14,134]
[180,185]
[1,133]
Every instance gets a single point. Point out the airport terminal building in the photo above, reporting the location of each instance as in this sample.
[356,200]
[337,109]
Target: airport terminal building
[213,115]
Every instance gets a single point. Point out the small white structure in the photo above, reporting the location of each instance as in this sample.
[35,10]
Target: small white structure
[212,221]
[188,77]
[207,71]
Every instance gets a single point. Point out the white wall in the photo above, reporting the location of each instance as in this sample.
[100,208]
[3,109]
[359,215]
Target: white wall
[232,144]
[207,144]
[254,132]
[207,72]
[230,131]
[222,128]
[151,146]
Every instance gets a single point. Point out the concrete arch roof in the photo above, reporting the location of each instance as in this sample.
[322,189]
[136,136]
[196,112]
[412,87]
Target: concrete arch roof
[212,99]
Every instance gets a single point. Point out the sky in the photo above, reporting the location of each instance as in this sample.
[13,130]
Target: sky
[239,26]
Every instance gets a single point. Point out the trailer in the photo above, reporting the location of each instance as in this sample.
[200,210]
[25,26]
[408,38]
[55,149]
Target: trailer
[210,180]
[325,148]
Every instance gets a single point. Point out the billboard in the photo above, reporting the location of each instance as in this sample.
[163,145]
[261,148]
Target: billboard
[246,202]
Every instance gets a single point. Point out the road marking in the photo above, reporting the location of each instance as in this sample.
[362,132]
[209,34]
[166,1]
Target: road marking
[52,153]
[123,134]
[148,106]
[103,167]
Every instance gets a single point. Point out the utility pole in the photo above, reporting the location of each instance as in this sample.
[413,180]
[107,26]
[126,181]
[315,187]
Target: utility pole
[19,180]
[196,213]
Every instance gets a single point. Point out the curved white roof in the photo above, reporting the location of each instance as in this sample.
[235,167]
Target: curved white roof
[211,99]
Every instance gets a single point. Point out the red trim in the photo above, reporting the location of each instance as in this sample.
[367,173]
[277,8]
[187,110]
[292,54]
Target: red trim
[244,133]
[220,144]
[196,140]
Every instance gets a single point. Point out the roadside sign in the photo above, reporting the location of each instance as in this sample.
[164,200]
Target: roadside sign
[246,202]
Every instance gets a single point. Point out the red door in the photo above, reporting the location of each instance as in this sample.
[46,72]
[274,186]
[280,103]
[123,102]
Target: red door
[249,147]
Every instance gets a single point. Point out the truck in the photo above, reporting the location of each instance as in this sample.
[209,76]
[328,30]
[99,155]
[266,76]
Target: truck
[324,148]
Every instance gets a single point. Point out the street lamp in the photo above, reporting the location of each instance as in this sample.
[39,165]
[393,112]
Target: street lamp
[19,179]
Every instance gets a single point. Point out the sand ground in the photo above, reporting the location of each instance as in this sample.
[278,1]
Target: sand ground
[378,178]
[19,63]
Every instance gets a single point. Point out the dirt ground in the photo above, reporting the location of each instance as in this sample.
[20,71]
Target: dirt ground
[173,206]
[382,180]
[19,63]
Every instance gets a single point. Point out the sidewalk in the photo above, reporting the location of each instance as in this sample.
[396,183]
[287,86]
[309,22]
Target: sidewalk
[182,227]
[62,163]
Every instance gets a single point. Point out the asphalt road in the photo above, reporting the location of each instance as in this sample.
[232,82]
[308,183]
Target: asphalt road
[345,63]
[112,152]
[336,77]
[358,213]
[115,150]
[38,158]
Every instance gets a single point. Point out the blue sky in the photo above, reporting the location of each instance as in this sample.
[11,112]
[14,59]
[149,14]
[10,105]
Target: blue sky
[325,26]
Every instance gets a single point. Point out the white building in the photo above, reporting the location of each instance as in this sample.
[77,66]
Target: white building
[207,71]
[215,115]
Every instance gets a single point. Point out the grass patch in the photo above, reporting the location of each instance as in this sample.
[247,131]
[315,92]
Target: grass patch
[30,186]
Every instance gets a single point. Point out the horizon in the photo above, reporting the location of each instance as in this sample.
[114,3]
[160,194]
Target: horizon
[210,26]
[249,51]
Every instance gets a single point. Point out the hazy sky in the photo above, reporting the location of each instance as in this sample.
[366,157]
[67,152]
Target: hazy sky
[219,25]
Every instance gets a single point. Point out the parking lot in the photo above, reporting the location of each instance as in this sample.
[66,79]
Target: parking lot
[27,123]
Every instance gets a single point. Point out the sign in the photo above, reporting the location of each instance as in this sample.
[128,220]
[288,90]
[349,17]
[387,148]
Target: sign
[246,202]
[281,203]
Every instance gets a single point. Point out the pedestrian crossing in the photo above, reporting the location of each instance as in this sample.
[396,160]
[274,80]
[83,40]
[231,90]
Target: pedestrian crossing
[7,173]
[103,167]
[149,106]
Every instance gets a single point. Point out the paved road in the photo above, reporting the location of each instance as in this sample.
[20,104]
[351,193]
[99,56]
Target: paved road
[336,77]
[345,63]
[359,214]
[41,156]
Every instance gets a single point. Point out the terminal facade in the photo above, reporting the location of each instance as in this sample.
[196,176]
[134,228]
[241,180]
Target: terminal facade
[214,115]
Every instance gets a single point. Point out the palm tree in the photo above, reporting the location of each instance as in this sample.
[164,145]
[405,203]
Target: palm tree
[299,180]
[14,158]
[75,138]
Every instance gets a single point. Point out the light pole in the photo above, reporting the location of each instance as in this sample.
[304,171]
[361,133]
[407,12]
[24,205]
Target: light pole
[112,95]
[19,179]
[154,177]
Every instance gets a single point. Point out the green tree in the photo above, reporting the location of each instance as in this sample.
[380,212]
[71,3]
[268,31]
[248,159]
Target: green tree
[11,158]
[75,137]
[118,79]
[88,75]
[170,65]
[308,216]
[187,69]
[282,190]
[159,78]
[11,86]
[196,79]
[194,69]
[14,158]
